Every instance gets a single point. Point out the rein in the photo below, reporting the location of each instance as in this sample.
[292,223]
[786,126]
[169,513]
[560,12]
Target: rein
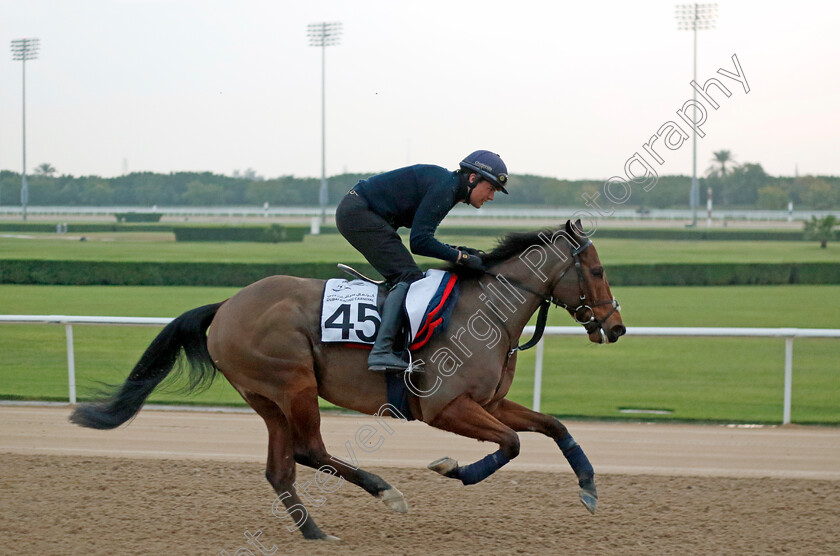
[591,324]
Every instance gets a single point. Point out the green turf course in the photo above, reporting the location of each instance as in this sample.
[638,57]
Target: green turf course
[731,380]
[161,247]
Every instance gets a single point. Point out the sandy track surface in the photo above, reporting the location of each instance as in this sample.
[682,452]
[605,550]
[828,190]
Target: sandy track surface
[191,483]
[623,448]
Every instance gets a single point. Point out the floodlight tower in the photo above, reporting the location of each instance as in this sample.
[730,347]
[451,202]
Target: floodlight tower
[323,35]
[23,50]
[695,17]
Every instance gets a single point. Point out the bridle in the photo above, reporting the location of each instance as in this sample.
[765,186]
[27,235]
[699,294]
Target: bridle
[580,313]
[583,313]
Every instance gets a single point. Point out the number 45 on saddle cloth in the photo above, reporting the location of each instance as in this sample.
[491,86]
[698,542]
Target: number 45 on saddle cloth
[350,313]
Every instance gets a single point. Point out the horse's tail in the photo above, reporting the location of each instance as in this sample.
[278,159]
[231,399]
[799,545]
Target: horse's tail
[187,333]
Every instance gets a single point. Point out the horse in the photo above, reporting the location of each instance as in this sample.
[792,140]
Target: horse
[265,340]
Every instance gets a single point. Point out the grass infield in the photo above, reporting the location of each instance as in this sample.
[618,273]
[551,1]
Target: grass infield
[162,247]
[731,380]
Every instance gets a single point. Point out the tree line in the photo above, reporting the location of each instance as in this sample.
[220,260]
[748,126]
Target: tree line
[738,186]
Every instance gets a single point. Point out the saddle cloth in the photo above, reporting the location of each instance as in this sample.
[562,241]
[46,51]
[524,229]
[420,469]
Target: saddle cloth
[350,313]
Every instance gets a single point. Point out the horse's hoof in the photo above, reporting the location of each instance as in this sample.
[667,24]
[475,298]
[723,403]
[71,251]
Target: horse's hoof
[589,499]
[445,466]
[394,499]
[322,537]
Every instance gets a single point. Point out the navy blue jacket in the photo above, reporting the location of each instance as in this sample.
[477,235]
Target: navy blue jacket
[416,197]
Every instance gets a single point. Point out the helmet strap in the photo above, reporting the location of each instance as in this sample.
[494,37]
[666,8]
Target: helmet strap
[470,185]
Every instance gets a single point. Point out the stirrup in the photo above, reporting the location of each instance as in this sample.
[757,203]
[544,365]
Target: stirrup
[409,367]
[392,363]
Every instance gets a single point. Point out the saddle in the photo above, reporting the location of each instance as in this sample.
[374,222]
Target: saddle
[350,309]
[358,275]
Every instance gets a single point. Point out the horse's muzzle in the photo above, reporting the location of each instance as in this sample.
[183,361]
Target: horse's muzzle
[615,333]
[610,336]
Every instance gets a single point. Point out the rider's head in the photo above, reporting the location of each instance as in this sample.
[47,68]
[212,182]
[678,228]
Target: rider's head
[487,174]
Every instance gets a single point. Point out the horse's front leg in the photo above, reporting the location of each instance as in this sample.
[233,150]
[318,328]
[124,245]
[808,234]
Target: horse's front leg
[520,418]
[466,417]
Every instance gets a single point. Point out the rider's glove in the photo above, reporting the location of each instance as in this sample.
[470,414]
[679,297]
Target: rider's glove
[470,250]
[470,261]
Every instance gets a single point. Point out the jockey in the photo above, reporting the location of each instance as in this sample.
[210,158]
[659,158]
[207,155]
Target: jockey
[416,197]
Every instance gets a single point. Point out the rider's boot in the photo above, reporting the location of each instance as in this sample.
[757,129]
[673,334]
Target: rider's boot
[382,357]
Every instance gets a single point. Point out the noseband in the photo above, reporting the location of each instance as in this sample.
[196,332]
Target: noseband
[592,324]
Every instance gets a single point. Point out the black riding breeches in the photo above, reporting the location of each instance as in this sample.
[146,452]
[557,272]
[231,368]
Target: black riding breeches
[376,239]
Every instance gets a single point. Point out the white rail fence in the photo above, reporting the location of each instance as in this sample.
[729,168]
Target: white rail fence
[788,334]
[692,332]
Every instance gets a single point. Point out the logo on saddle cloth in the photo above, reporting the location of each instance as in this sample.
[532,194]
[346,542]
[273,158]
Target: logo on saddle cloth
[349,312]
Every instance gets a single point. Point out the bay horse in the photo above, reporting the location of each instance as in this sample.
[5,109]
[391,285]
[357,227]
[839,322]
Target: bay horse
[265,340]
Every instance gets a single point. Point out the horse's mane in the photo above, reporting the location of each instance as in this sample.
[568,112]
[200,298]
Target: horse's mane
[509,245]
[512,244]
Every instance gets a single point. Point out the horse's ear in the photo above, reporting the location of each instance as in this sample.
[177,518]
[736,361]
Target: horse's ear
[575,229]
[570,228]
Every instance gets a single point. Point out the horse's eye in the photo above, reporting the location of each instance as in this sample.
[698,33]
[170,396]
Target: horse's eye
[597,271]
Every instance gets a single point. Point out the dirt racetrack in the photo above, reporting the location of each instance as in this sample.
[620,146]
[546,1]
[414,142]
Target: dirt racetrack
[192,483]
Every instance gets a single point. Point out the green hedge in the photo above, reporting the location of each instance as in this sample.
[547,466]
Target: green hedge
[85,273]
[138,216]
[294,232]
[76,227]
[269,234]
[723,274]
[241,274]
[716,234]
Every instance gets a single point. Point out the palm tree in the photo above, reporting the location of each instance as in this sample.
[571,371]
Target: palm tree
[821,229]
[45,169]
[722,158]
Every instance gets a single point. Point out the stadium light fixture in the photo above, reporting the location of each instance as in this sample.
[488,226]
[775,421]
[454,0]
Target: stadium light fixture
[322,35]
[695,17]
[24,50]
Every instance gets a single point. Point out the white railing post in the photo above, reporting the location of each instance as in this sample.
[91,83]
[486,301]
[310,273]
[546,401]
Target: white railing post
[538,368]
[788,380]
[71,364]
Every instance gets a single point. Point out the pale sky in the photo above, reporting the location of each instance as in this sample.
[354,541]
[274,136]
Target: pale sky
[563,89]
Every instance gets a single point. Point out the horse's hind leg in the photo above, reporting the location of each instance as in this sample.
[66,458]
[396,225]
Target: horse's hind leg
[467,418]
[305,424]
[280,468]
[520,418]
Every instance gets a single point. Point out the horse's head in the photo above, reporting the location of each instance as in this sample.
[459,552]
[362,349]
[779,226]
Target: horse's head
[561,266]
[580,286]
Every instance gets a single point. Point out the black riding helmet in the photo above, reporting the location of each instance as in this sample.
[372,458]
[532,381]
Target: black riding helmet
[489,166]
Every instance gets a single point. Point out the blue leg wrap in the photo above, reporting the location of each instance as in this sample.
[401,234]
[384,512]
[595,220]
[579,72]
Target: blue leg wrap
[577,459]
[480,470]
